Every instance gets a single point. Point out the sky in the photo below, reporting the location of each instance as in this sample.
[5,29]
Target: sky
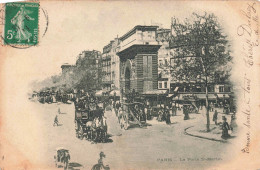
[87,25]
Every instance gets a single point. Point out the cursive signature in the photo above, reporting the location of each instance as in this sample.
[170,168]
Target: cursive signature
[249,33]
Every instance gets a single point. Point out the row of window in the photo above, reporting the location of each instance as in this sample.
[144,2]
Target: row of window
[198,88]
[162,85]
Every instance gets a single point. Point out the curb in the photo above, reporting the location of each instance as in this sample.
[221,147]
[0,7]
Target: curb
[202,137]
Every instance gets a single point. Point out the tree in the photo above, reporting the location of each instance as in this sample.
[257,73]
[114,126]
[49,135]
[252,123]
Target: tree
[200,51]
[85,75]
[88,74]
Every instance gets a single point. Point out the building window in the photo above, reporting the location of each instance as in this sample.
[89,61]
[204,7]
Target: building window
[165,84]
[172,62]
[160,85]
[147,66]
[228,89]
[165,62]
[160,75]
[160,62]
[147,73]
[221,88]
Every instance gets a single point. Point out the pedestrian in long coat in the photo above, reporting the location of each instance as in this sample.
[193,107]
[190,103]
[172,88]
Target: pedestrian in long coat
[186,113]
[56,122]
[168,116]
[215,117]
[225,128]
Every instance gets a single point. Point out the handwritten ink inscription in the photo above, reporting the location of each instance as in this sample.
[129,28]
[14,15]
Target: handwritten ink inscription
[249,32]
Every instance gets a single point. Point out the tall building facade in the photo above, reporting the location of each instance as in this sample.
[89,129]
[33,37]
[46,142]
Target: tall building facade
[106,67]
[164,58]
[115,63]
[138,52]
[139,35]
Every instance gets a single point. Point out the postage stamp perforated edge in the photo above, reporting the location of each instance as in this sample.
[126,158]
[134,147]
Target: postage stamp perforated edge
[3,41]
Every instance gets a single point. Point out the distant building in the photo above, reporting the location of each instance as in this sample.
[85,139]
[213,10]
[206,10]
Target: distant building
[66,68]
[110,65]
[91,57]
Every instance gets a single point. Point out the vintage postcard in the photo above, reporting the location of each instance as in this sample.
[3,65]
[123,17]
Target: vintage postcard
[129,85]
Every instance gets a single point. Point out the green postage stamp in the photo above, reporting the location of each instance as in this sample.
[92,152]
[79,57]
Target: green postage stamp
[21,23]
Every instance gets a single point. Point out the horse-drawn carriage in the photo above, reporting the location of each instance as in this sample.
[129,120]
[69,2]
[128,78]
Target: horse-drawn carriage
[90,122]
[42,97]
[190,108]
[132,113]
[62,158]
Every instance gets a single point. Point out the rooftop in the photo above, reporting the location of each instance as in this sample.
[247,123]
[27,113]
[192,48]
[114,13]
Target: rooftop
[66,65]
[138,27]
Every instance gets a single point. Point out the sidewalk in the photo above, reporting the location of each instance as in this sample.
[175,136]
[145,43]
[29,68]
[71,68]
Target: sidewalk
[214,134]
[199,129]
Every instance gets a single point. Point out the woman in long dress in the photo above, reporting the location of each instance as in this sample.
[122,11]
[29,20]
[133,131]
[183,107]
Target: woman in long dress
[18,21]
[225,128]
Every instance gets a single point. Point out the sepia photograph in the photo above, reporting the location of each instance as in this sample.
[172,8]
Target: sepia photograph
[129,85]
